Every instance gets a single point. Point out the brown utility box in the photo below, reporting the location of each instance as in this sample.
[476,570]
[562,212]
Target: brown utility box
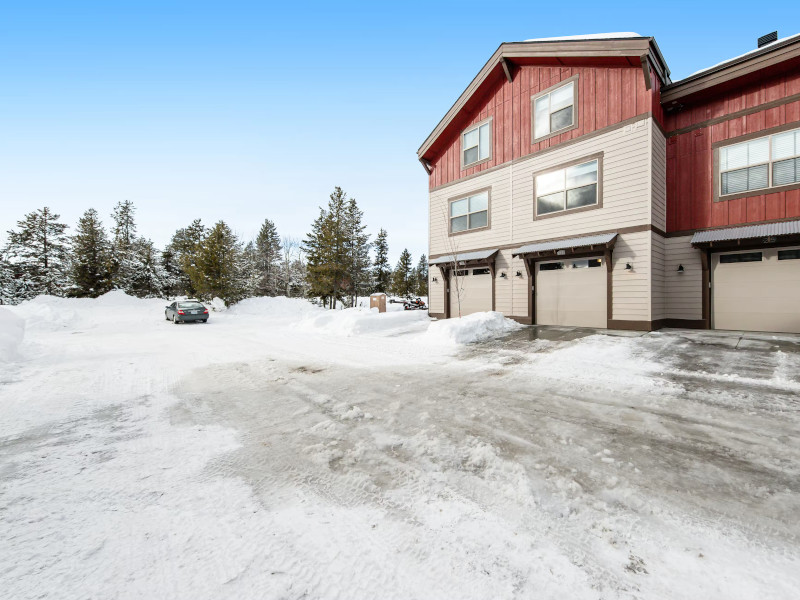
[378,301]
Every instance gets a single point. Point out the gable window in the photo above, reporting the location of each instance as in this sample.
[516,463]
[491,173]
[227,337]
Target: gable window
[766,162]
[554,110]
[469,212]
[568,188]
[476,144]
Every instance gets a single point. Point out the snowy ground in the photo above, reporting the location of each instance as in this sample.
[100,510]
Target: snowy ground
[280,451]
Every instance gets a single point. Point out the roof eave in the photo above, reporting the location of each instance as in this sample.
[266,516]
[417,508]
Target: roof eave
[732,69]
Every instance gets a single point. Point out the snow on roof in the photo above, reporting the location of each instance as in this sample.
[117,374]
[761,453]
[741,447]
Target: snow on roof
[764,47]
[589,36]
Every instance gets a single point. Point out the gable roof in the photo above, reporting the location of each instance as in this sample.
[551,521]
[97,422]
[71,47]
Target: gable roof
[626,45]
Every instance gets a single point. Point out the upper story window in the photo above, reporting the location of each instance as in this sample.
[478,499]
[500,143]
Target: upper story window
[476,144]
[568,188]
[765,162]
[554,110]
[469,212]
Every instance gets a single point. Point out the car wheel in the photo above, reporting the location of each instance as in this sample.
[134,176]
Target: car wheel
[166,317]
[205,320]
[174,320]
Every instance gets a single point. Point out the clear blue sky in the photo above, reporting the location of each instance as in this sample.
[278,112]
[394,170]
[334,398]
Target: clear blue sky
[242,111]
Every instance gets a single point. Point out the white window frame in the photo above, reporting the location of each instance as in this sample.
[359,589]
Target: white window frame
[470,129]
[770,164]
[546,93]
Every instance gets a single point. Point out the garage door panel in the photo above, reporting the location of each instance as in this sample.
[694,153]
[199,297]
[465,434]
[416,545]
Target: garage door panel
[571,296]
[756,296]
[476,292]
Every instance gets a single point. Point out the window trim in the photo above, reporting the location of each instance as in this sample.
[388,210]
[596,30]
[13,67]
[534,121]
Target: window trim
[717,175]
[486,227]
[569,211]
[575,116]
[477,125]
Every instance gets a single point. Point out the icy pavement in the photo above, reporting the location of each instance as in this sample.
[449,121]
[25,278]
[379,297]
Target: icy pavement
[293,454]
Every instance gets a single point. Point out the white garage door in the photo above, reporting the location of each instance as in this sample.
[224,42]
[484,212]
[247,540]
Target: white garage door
[757,290]
[475,286]
[571,292]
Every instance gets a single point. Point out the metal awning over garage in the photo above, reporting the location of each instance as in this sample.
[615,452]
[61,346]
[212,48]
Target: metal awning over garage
[765,233]
[464,258]
[577,244]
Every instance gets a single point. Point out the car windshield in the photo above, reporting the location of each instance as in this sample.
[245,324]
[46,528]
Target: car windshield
[189,305]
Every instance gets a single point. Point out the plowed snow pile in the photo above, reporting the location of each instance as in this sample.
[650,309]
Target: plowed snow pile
[472,328]
[12,330]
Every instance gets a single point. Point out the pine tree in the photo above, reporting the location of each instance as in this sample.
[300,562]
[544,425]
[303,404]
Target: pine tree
[382,272]
[357,249]
[249,271]
[326,247]
[8,287]
[38,255]
[422,276]
[217,269]
[268,257]
[123,256]
[184,248]
[175,280]
[402,283]
[91,257]
[147,276]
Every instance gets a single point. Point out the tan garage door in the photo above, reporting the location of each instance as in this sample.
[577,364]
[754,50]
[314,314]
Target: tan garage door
[757,290]
[476,291]
[571,292]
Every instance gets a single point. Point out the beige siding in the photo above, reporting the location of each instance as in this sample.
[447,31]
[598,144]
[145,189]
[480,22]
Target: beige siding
[498,232]
[657,278]
[626,195]
[631,288]
[684,292]
[626,186]
[629,175]
[435,291]
[659,178]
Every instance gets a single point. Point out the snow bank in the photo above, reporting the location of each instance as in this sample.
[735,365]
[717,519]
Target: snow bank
[472,328]
[12,330]
[287,309]
[359,321]
[49,313]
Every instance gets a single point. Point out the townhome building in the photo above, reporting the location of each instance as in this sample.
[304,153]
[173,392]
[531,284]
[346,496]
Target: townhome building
[574,183]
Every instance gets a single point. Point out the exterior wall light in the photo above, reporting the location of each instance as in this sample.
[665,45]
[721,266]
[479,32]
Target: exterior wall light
[519,273]
[628,266]
[503,275]
[681,269]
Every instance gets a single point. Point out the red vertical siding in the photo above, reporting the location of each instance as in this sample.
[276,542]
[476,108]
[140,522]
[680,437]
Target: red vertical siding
[606,95]
[690,159]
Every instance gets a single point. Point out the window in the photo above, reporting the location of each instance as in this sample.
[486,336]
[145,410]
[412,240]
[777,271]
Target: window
[587,264]
[476,144]
[471,212]
[740,258]
[572,187]
[463,273]
[556,266]
[480,271]
[789,254]
[765,162]
[554,111]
